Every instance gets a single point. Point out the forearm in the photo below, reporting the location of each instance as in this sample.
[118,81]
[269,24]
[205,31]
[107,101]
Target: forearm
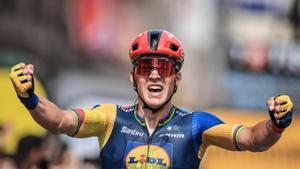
[259,137]
[52,118]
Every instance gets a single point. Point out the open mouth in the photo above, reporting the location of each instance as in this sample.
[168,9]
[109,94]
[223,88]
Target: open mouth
[155,88]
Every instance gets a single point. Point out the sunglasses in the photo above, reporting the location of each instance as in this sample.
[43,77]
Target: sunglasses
[164,66]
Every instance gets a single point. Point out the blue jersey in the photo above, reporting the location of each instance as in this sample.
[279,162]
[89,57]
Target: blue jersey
[126,143]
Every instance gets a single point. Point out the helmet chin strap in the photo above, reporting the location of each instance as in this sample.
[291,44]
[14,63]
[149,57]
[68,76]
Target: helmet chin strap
[146,106]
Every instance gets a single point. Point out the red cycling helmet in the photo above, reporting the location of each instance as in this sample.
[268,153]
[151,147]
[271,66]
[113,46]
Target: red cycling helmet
[159,42]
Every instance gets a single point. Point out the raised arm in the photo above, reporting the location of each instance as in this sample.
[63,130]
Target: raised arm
[52,118]
[266,133]
[44,112]
[257,138]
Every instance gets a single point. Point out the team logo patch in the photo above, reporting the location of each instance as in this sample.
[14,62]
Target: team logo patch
[154,156]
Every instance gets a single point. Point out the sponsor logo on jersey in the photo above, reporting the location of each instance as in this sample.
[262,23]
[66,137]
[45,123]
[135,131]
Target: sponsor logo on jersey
[173,135]
[141,156]
[133,132]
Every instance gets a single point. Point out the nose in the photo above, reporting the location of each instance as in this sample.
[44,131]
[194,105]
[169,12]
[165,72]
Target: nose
[154,75]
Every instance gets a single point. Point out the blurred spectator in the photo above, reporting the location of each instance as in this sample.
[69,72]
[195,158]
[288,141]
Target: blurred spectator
[59,155]
[31,153]
[5,128]
[36,152]
[6,161]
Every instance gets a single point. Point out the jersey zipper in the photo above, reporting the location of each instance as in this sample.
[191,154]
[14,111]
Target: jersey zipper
[149,141]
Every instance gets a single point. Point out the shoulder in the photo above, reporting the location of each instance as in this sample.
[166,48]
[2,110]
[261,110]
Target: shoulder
[111,109]
[205,120]
[182,112]
[197,115]
[103,106]
[205,116]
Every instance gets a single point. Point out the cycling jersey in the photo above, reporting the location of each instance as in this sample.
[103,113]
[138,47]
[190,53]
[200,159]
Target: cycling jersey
[179,140]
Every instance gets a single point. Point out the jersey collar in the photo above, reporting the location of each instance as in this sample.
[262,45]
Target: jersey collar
[161,122]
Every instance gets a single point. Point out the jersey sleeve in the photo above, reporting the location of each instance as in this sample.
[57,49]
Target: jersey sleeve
[202,121]
[97,121]
[216,132]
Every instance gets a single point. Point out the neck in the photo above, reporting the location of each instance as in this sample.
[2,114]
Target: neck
[152,119]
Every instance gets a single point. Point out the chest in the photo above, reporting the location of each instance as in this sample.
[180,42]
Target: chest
[169,146]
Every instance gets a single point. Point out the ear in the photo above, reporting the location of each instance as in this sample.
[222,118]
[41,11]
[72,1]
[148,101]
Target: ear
[178,78]
[131,76]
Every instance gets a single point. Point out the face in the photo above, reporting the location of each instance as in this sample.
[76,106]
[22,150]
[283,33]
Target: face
[155,79]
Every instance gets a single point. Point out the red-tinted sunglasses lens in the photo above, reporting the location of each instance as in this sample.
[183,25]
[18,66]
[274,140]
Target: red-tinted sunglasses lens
[164,67]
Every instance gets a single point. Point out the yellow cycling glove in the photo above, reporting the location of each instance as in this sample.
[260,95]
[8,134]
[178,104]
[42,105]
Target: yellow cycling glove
[281,111]
[23,82]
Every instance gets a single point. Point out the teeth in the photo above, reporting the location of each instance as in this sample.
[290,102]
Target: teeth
[155,88]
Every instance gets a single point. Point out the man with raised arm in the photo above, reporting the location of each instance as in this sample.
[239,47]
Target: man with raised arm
[153,133]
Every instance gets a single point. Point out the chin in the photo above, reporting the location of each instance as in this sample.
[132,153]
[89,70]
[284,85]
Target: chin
[155,102]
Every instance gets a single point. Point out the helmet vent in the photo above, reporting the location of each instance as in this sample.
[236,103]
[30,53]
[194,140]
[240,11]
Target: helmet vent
[173,47]
[154,44]
[135,47]
[154,37]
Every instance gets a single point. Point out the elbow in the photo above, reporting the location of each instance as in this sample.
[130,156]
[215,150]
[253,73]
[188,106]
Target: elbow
[65,126]
[60,129]
[54,127]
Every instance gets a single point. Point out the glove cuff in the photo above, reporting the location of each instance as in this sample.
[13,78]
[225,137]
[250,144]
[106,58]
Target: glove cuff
[31,102]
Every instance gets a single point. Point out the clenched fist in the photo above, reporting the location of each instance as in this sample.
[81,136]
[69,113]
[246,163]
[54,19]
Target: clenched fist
[280,110]
[21,76]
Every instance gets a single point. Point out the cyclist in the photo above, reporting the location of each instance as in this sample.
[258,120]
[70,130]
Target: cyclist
[154,132]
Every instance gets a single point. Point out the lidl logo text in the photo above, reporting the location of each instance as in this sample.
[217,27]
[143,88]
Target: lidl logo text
[147,156]
[150,160]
